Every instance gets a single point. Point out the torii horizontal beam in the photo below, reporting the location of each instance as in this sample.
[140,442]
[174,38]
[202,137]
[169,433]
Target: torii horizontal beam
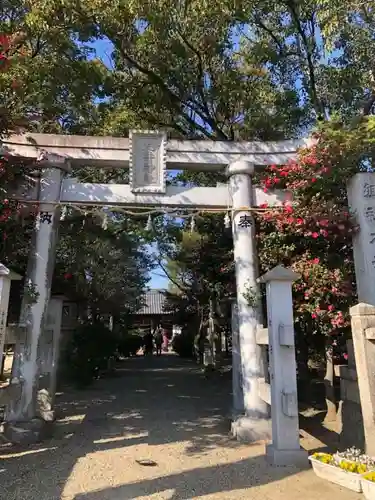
[76,193]
[113,152]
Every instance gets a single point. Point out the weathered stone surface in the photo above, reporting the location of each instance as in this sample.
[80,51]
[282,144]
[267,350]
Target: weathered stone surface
[10,393]
[285,458]
[44,406]
[362,318]
[24,433]
[249,430]
[34,430]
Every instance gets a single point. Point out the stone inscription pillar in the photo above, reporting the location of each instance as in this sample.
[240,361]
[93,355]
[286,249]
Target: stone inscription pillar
[361,198]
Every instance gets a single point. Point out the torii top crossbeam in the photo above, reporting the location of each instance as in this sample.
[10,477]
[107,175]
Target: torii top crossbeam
[148,154]
[115,151]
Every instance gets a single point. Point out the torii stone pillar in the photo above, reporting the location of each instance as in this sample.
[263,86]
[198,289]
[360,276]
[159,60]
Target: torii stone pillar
[34,313]
[254,425]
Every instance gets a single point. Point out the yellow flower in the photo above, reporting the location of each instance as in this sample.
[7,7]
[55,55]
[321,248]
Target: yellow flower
[370,477]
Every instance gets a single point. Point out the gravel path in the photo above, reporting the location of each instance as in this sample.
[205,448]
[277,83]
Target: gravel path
[161,410]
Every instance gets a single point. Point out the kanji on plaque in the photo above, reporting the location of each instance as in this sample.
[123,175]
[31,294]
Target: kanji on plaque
[245,221]
[370,214]
[369,190]
[147,161]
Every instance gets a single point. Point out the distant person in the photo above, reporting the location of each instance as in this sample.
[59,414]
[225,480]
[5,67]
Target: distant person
[158,341]
[148,343]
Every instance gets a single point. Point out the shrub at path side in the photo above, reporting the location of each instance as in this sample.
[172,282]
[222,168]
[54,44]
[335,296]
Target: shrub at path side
[88,353]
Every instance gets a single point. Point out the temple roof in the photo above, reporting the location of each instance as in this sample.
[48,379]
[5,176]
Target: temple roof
[153,303]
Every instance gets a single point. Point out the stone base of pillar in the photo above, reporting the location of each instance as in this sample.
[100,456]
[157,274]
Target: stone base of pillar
[250,430]
[284,458]
[26,431]
[30,432]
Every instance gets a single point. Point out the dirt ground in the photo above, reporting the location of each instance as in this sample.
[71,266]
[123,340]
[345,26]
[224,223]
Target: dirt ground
[165,412]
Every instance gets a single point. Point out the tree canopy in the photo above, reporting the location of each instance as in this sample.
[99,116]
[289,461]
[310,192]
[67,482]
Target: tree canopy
[233,71]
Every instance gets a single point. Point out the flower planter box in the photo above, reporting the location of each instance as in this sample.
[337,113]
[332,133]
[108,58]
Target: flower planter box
[336,475]
[368,488]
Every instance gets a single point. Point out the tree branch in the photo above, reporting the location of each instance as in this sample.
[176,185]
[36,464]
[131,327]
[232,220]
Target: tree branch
[200,83]
[175,100]
[282,51]
[309,56]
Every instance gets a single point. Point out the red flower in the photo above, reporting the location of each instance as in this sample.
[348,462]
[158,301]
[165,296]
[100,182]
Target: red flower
[331,307]
[68,276]
[313,179]
[323,222]
[316,260]
[324,233]
[314,315]
[315,235]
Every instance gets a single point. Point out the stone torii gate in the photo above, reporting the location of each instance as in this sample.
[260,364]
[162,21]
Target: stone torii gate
[148,155]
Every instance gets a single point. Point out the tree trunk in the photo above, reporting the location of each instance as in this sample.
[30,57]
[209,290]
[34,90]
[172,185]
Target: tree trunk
[215,334]
[329,383]
[199,339]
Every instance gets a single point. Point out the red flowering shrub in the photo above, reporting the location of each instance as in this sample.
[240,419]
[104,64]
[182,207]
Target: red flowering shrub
[312,233]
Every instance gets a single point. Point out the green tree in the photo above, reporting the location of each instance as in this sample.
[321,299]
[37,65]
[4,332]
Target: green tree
[103,268]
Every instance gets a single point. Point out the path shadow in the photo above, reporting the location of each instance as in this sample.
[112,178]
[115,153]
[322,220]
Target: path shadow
[198,482]
[163,390]
[153,402]
[314,426]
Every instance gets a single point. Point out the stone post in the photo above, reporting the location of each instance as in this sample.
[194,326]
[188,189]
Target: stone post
[363,332]
[238,406]
[285,448]
[254,424]
[6,276]
[361,199]
[37,293]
